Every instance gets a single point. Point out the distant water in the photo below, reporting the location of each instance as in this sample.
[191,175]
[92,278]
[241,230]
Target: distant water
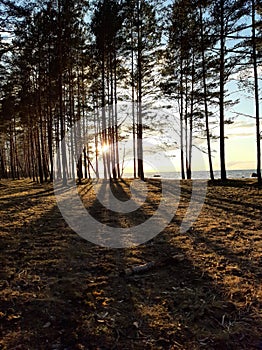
[231,174]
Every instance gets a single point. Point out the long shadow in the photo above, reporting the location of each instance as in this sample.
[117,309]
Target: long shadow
[216,292]
[223,308]
[45,269]
[178,305]
[237,183]
[231,234]
[20,194]
[244,264]
[227,204]
[62,292]
[121,191]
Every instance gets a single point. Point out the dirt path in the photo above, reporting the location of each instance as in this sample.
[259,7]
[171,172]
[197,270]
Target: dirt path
[60,292]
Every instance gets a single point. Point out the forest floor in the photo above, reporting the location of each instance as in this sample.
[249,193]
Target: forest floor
[61,292]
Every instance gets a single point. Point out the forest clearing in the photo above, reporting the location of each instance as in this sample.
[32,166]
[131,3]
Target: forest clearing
[59,291]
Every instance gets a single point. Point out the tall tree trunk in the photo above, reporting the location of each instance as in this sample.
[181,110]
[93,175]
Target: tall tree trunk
[186,123]
[222,92]
[15,151]
[116,117]
[45,172]
[181,122]
[12,153]
[50,143]
[140,122]
[60,92]
[85,127]
[254,56]
[104,131]
[189,165]
[96,131]
[31,154]
[113,116]
[209,152]
[50,115]
[78,151]
[133,100]
[40,168]
[2,162]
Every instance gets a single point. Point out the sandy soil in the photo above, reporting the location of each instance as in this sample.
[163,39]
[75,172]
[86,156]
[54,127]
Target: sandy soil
[60,292]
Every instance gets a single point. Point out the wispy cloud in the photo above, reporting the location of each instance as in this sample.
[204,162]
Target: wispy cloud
[248,164]
[242,124]
[241,128]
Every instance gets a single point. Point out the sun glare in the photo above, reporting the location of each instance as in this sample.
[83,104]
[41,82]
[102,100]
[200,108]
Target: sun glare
[104,148]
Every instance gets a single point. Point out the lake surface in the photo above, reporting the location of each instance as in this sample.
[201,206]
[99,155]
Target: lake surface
[231,174]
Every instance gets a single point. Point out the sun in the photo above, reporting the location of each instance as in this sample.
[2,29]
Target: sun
[104,148]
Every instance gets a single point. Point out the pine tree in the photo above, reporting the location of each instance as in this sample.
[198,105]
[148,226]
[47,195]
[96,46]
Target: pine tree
[182,70]
[106,23]
[47,39]
[226,17]
[204,44]
[143,35]
[254,5]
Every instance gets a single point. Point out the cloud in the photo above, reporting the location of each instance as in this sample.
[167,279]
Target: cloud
[242,124]
[241,134]
[241,128]
[245,164]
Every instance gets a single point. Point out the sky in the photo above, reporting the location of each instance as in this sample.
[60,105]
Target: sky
[240,142]
[241,135]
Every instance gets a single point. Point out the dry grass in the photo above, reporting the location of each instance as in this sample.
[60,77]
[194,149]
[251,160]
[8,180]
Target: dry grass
[59,291]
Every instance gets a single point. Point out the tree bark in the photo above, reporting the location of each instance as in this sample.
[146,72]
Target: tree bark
[222,92]
[139,119]
[209,152]
[254,56]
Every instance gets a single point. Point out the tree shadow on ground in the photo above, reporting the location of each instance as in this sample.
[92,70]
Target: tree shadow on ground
[59,291]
